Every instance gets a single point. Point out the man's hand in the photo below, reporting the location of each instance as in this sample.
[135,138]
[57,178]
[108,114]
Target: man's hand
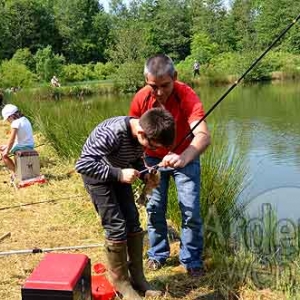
[173,160]
[129,175]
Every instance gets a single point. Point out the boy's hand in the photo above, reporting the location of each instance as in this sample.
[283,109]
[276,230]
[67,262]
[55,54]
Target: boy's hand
[129,175]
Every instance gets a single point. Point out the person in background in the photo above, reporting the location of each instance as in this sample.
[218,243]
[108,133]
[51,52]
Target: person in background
[164,90]
[21,136]
[196,68]
[55,82]
[109,163]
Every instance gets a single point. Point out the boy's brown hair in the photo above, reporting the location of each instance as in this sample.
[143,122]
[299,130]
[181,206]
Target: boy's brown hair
[159,126]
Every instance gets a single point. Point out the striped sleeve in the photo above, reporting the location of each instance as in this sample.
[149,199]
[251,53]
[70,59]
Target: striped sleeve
[92,162]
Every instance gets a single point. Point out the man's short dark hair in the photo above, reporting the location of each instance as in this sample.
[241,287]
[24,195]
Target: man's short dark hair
[159,65]
[159,126]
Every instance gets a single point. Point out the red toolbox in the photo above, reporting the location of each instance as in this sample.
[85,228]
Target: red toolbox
[59,276]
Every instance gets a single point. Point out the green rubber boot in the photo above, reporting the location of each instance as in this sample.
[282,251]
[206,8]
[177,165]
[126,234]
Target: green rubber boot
[118,269]
[135,265]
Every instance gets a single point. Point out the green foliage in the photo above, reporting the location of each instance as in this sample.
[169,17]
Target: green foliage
[202,49]
[15,74]
[81,33]
[185,70]
[84,28]
[104,71]
[169,27]
[262,70]
[30,24]
[73,72]
[25,57]
[128,44]
[129,76]
[76,91]
[48,63]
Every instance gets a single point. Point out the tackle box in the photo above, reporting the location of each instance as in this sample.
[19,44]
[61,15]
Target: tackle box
[59,276]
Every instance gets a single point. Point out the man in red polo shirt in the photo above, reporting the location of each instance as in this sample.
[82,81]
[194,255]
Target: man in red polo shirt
[163,90]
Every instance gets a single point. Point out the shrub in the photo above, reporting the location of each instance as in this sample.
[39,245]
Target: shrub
[48,63]
[15,74]
[103,71]
[25,57]
[74,72]
[129,76]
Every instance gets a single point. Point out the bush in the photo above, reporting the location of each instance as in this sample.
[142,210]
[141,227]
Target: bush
[74,72]
[103,71]
[185,70]
[15,74]
[25,57]
[129,76]
[48,63]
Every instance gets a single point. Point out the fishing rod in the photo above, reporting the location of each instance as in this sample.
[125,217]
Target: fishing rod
[190,133]
[43,250]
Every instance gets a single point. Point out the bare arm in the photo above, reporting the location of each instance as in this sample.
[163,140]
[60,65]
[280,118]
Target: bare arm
[11,141]
[199,143]
[197,146]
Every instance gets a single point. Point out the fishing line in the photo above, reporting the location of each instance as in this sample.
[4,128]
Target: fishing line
[190,133]
[41,202]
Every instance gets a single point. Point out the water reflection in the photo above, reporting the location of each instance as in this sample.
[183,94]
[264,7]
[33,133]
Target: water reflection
[268,116]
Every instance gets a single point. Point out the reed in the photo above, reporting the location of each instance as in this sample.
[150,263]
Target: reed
[66,124]
[223,174]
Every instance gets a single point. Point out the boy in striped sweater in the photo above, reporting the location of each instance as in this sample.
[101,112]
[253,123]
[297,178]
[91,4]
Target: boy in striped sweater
[111,160]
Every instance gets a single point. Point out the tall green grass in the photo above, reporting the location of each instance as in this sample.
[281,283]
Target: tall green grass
[67,124]
[223,175]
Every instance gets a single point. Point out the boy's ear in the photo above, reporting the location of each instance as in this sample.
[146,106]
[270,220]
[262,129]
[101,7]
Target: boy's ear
[140,130]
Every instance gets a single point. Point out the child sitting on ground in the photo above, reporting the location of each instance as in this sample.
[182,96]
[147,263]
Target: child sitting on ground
[21,136]
[111,160]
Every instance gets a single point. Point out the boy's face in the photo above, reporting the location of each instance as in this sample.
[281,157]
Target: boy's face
[146,142]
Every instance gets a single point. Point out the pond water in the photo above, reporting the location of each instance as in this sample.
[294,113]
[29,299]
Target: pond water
[267,118]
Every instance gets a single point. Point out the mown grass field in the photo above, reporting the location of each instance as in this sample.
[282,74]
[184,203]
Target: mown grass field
[67,218]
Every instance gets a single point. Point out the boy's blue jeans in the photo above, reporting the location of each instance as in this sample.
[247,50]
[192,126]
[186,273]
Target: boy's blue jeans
[187,182]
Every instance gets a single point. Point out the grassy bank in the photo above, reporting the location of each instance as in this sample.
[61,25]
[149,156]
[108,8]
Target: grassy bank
[69,220]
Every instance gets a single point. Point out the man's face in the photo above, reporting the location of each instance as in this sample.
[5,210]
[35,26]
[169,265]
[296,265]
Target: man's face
[162,87]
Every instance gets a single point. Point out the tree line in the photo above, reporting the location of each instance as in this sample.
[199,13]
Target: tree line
[81,32]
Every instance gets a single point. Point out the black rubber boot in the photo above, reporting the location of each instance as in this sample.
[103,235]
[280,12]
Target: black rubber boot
[118,269]
[135,256]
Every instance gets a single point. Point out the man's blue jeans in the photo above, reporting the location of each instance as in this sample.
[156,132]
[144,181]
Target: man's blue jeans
[187,182]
